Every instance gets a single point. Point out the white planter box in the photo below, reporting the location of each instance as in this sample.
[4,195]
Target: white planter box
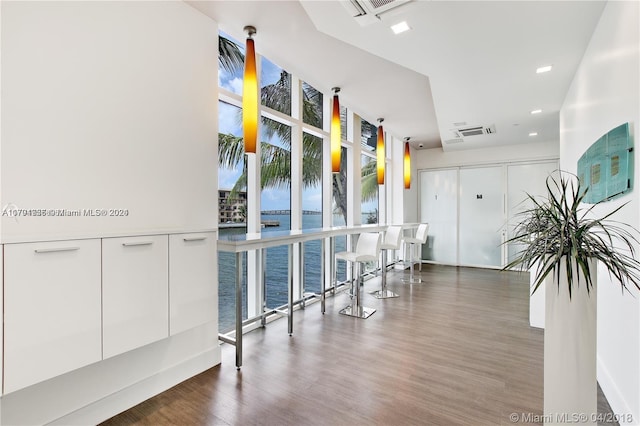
[570,386]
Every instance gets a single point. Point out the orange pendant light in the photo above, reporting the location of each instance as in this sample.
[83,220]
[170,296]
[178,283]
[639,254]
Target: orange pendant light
[250,95]
[380,153]
[407,164]
[336,132]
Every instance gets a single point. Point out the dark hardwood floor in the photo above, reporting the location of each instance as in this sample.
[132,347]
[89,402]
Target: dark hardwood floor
[454,350]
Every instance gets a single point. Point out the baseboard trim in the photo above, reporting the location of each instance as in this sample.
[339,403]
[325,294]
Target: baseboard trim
[126,398]
[615,398]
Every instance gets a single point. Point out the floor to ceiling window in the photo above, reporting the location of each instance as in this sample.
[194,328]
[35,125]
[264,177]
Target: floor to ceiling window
[312,106]
[312,208]
[230,64]
[232,196]
[369,182]
[276,205]
[339,211]
[312,152]
[281,128]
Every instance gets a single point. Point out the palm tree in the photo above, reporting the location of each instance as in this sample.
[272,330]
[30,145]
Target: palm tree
[276,160]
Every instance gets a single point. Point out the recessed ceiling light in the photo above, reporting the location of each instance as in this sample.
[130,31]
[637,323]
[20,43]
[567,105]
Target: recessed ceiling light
[400,27]
[546,68]
[533,134]
[536,111]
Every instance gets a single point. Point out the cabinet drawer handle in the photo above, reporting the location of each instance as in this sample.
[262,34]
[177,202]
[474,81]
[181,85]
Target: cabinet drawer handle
[56,249]
[141,243]
[194,238]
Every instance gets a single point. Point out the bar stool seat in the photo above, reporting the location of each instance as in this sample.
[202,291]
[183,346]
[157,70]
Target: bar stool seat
[367,250]
[419,239]
[391,242]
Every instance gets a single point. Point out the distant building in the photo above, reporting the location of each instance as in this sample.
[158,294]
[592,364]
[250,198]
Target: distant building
[231,209]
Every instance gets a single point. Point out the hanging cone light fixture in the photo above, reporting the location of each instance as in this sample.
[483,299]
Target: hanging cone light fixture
[336,132]
[407,164]
[250,95]
[380,152]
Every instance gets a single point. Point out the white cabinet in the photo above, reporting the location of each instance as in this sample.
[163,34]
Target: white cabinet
[135,292]
[52,309]
[71,303]
[193,280]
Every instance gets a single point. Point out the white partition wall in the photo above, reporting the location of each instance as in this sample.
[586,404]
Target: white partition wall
[467,209]
[525,179]
[439,207]
[481,216]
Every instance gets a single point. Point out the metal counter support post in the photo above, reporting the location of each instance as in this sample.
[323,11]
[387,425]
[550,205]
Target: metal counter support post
[263,320]
[290,290]
[303,302]
[334,273]
[322,283]
[384,271]
[238,310]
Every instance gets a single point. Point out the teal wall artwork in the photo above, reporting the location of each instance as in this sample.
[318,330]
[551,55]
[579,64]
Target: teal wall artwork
[606,167]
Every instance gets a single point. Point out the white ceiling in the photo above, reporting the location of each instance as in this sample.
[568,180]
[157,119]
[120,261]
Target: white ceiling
[462,61]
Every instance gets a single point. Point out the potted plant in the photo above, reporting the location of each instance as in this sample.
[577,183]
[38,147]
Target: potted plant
[562,245]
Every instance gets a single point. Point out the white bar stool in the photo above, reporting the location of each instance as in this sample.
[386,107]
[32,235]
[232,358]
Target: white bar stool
[419,239]
[391,242]
[367,250]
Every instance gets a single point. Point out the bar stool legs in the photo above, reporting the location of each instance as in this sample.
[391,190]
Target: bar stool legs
[419,239]
[384,293]
[412,278]
[367,250]
[355,309]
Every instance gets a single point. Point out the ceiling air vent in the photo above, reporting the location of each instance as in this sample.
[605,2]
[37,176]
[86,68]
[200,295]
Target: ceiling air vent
[452,141]
[475,131]
[366,12]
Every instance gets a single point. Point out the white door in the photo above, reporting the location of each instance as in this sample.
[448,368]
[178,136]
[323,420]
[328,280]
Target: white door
[482,216]
[439,208]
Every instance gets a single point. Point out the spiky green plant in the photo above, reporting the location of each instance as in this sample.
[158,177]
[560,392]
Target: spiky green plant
[558,226]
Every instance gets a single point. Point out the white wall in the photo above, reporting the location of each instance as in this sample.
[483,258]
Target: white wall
[603,95]
[437,158]
[108,105]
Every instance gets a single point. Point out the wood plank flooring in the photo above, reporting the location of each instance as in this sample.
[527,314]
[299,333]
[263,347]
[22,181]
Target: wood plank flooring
[454,350]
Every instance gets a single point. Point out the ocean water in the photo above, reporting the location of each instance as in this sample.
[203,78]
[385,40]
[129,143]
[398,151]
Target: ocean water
[276,269]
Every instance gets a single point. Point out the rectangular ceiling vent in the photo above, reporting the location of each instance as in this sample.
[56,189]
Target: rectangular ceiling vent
[475,131]
[366,12]
[452,141]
